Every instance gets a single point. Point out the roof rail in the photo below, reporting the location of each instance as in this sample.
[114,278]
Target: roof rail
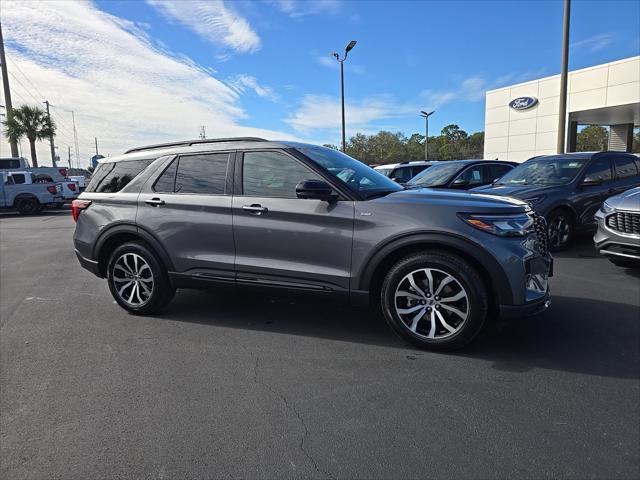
[188,143]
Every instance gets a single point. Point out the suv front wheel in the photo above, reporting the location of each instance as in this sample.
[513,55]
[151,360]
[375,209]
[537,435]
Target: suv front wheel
[435,300]
[137,280]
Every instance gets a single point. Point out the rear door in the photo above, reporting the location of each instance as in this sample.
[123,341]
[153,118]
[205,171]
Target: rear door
[282,240]
[187,208]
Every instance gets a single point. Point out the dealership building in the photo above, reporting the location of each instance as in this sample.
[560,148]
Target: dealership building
[521,120]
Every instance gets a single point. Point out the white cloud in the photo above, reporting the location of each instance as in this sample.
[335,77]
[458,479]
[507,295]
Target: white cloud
[301,8]
[123,89]
[321,112]
[213,20]
[241,82]
[329,61]
[595,43]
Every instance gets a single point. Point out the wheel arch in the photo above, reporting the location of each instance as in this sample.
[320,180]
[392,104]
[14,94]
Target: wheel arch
[23,196]
[118,234]
[488,267]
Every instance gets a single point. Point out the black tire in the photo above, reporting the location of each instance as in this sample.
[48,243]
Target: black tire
[443,264]
[27,206]
[162,291]
[561,229]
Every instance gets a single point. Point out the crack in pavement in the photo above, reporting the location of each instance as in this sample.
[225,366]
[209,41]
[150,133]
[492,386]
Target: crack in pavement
[291,408]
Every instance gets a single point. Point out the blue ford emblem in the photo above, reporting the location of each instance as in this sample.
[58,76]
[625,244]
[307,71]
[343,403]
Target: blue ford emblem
[522,103]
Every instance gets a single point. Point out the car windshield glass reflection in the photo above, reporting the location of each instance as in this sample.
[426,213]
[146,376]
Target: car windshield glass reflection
[549,171]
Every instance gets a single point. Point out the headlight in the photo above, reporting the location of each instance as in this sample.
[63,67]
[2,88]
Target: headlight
[606,208]
[516,225]
[535,200]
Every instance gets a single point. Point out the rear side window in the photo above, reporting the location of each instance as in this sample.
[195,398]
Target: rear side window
[114,176]
[18,178]
[9,163]
[196,174]
[625,167]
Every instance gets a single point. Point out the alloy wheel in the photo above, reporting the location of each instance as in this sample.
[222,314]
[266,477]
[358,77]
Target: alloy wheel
[559,231]
[431,303]
[133,279]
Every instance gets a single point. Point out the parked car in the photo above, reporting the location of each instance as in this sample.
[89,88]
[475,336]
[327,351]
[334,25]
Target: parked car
[404,171]
[27,197]
[57,174]
[13,163]
[68,189]
[568,189]
[618,234]
[461,174]
[251,212]
[81,180]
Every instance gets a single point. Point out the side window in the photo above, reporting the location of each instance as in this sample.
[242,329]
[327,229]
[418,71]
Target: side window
[167,181]
[8,180]
[402,174]
[498,171]
[625,167]
[113,177]
[202,174]
[600,170]
[18,178]
[417,169]
[474,175]
[273,174]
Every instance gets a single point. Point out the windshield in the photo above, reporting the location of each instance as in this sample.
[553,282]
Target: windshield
[356,175]
[544,171]
[435,175]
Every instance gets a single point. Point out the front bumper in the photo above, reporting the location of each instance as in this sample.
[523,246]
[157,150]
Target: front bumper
[530,308]
[613,244]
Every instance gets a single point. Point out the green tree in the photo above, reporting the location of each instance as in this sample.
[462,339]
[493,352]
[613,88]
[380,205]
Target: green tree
[30,122]
[592,138]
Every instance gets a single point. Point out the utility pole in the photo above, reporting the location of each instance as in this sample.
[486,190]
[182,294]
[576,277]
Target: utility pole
[53,148]
[7,90]
[562,118]
[69,158]
[203,132]
[75,138]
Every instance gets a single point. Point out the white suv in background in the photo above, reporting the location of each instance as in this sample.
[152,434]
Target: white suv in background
[404,171]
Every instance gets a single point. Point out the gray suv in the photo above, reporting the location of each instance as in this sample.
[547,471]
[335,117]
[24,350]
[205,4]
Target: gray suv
[251,212]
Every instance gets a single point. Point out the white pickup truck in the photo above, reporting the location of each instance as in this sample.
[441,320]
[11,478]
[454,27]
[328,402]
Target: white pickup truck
[27,197]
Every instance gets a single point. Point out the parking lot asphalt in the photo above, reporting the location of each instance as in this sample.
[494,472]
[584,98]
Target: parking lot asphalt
[246,386]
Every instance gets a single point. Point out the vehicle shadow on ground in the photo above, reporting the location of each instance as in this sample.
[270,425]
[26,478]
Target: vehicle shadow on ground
[575,335]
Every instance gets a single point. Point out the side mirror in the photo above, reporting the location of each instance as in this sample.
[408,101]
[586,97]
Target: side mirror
[586,182]
[315,190]
[460,182]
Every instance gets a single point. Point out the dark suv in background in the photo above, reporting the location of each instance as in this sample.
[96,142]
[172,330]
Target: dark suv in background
[299,217]
[569,189]
[461,174]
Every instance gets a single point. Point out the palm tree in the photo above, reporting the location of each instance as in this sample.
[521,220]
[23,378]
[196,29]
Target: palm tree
[30,122]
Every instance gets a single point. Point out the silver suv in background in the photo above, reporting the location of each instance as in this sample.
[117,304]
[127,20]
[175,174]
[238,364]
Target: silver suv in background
[256,213]
[618,234]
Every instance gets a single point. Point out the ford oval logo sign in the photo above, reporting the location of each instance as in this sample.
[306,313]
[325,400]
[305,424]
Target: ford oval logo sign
[522,103]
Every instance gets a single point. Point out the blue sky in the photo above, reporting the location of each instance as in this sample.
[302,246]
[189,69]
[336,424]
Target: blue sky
[265,66]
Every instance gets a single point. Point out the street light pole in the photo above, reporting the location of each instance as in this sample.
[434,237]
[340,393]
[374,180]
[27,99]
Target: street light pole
[7,90]
[349,47]
[426,133]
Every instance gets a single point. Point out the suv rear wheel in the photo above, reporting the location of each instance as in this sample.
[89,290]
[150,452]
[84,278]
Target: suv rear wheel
[435,300]
[28,206]
[137,280]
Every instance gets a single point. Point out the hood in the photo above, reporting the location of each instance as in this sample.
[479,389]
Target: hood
[517,191]
[629,200]
[467,201]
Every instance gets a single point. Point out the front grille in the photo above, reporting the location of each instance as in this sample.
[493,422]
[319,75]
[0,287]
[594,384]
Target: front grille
[624,222]
[542,234]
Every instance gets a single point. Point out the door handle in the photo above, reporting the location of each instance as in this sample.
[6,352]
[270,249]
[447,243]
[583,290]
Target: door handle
[255,209]
[154,201]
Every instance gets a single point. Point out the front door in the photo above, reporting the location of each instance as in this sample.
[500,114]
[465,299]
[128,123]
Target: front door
[589,198]
[188,209]
[282,240]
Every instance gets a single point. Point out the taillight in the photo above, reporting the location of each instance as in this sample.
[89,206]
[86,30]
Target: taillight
[63,172]
[72,187]
[78,206]
[52,189]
